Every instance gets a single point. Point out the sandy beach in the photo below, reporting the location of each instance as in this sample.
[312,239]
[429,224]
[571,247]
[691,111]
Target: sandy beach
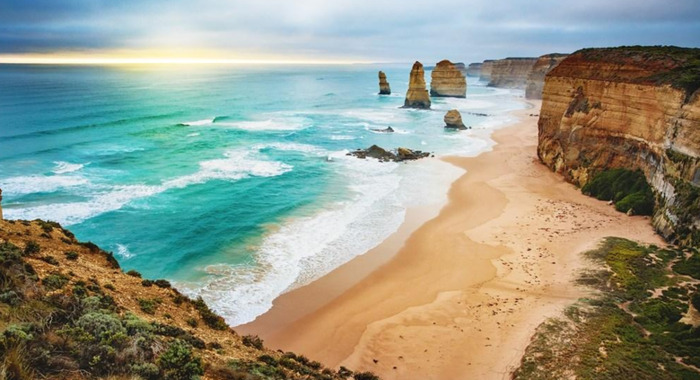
[460,296]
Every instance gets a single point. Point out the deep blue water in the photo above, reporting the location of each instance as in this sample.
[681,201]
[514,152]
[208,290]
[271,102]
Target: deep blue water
[231,181]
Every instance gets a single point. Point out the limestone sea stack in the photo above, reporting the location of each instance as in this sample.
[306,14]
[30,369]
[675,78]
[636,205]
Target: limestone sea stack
[511,72]
[417,95]
[447,81]
[384,88]
[486,69]
[462,67]
[633,108]
[474,69]
[453,119]
[535,80]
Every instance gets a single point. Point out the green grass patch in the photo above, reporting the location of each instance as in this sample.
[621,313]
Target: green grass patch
[628,189]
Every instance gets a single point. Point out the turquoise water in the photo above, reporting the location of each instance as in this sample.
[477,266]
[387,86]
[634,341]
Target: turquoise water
[230,181]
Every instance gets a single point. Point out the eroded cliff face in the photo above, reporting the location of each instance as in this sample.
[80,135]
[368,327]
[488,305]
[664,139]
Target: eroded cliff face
[384,88]
[535,80]
[511,72]
[474,69]
[447,81]
[417,95]
[486,69]
[634,108]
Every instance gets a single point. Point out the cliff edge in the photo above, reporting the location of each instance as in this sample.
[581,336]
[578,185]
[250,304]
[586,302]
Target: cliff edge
[535,80]
[511,72]
[634,108]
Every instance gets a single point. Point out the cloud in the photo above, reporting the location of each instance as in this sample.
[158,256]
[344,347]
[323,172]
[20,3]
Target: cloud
[382,30]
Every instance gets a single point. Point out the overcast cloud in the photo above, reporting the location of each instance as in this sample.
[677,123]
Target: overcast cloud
[374,30]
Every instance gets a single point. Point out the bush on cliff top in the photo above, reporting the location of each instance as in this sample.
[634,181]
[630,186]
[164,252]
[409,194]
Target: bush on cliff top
[628,189]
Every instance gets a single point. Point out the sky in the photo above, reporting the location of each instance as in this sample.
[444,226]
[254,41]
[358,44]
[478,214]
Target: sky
[336,30]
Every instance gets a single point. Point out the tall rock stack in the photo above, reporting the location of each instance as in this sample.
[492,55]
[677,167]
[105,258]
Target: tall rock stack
[453,120]
[417,95]
[474,69]
[535,80]
[447,81]
[511,72]
[461,67]
[486,69]
[384,88]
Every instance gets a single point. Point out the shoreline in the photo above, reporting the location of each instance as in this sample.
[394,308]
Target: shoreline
[464,294]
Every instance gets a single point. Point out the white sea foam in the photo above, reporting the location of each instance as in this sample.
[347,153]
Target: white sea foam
[198,122]
[23,185]
[193,134]
[103,198]
[271,124]
[63,167]
[123,251]
[306,248]
[342,137]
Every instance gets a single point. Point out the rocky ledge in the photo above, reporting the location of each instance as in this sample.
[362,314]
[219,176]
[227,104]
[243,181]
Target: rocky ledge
[383,155]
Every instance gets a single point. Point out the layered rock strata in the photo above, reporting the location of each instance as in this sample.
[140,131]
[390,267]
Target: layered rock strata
[447,81]
[453,120]
[417,95]
[634,108]
[535,80]
[486,69]
[474,69]
[462,68]
[511,72]
[384,88]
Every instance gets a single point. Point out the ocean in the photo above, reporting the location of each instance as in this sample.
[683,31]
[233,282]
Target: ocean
[232,182]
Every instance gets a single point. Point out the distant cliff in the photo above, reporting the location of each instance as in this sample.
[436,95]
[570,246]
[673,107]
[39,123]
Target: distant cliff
[511,72]
[486,69]
[474,69]
[535,80]
[634,108]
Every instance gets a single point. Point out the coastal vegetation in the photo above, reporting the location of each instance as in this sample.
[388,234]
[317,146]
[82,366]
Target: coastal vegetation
[68,312]
[628,189]
[643,322]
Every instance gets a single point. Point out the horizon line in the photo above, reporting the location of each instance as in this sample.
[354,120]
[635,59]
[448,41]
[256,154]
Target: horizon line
[15,59]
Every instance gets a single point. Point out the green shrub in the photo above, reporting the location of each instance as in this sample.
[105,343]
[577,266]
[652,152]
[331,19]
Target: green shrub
[71,255]
[49,259]
[365,376]
[147,283]
[695,300]
[54,281]
[149,306]
[210,318]
[162,283]
[148,371]
[253,341]
[628,189]
[179,363]
[192,322]
[134,273]
[110,287]
[31,248]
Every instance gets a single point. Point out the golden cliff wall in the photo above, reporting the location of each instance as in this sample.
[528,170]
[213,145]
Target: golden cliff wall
[486,69]
[511,72]
[535,79]
[629,108]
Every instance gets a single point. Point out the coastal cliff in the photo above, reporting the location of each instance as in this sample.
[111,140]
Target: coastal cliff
[636,108]
[384,88]
[447,81]
[67,311]
[417,95]
[511,72]
[486,69]
[535,80]
[474,69]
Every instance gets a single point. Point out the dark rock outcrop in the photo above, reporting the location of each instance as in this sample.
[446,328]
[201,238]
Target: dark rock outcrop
[632,108]
[511,72]
[535,80]
[385,130]
[417,95]
[453,120]
[486,69]
[384,88]
[447,81]
[383,155]
[474,69]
